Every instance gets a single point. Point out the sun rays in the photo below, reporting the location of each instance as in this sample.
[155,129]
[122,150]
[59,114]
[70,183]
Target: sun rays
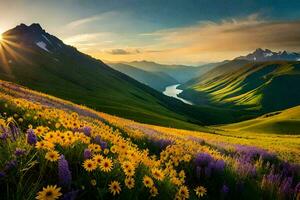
[10,52]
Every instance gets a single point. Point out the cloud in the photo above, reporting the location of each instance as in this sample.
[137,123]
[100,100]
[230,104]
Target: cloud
[90,19]
[236,35]
[89,38]
[123,51]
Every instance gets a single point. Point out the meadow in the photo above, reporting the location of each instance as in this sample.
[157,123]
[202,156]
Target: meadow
[54,149]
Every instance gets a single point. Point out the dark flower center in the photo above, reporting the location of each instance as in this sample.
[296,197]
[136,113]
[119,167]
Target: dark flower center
[49,193]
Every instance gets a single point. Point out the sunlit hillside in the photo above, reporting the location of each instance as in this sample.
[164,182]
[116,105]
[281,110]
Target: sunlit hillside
[261,86]
[71,150]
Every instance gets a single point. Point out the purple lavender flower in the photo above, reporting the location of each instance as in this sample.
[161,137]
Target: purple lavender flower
[31,137]
[203,159]
[98,140]
[87,131]
[103,145]
[162,143]
[250,153]
[87,154]
[14,131]
[64,173]
[20,152]
[3,136]
[219,165]
[285,189]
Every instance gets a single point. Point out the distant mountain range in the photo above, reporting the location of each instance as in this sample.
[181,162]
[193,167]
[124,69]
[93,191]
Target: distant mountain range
[157,80]
[159,76]
[181,73]
[268,55]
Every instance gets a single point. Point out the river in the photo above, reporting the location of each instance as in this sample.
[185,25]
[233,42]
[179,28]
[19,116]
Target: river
[173,91]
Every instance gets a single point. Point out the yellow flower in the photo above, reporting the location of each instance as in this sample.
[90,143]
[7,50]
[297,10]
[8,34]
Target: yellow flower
[98,158]
[148,182]
[129,182]
[114,187]
[106,151]
[200,191]
[128,168]
[158,174]
[10,119]
[94,147]
[93,182]
[153,191]
[182,175]
[57,125]
[49,193]
[44,145]
[52,156]
[106,165]
[129,172]
[89,165]
[183,192]
[113,149]
[187,158]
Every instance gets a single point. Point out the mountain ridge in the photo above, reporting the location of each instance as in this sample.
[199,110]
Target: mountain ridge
[268,55]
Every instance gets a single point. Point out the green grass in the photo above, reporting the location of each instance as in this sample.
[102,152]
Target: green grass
[261,87]
[286,122]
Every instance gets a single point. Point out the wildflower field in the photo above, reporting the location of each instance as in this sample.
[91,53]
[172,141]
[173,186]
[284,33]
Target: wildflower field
[53,149]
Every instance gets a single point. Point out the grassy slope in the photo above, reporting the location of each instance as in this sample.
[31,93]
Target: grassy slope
[286,122]
[260,86]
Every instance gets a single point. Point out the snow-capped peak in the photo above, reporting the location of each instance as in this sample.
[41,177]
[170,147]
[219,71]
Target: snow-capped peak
[268,55]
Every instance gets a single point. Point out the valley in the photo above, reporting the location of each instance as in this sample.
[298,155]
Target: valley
[223,125]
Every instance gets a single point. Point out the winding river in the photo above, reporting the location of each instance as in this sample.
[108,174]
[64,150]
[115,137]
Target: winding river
[173,91]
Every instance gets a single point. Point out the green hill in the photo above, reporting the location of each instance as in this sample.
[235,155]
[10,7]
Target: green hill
[286,122]
[259,86]
[156,80]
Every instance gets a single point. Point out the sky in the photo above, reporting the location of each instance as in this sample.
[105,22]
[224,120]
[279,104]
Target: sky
[166,31]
